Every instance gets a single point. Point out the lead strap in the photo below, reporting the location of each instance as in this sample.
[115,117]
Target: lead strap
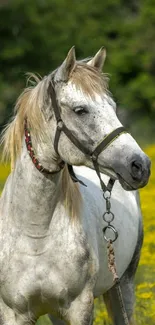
[112,268]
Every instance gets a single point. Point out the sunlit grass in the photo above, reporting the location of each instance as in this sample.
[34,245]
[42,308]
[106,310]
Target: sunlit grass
[145,278]
[4,172]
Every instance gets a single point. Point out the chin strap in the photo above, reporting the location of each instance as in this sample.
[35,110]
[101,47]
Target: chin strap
[73,176]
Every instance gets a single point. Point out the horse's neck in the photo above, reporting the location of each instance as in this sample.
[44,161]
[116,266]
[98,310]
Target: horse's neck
[31,197]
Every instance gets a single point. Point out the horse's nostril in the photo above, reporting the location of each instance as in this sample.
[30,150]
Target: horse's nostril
[136,168]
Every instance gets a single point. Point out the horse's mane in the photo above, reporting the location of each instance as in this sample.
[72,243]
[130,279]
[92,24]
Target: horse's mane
[30,104]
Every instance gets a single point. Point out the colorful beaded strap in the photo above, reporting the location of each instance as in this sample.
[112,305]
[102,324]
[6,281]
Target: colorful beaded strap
[30,150]
[38,164]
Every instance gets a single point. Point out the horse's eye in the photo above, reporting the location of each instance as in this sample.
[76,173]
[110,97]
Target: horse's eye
[80,110]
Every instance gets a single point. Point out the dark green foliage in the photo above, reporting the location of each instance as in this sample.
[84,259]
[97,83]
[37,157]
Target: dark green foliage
[36,35]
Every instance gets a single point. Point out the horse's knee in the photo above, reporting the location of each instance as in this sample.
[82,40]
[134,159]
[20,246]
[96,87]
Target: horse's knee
[81,309]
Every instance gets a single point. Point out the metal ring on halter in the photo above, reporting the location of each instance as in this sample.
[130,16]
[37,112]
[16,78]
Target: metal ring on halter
[114,232]
[110,217]
[107,195]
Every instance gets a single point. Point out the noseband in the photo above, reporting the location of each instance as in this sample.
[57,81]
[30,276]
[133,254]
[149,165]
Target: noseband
[61,127]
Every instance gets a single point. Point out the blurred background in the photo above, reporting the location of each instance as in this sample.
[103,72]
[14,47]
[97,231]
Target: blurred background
[35,36]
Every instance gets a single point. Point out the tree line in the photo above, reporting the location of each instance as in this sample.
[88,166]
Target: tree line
[36,35]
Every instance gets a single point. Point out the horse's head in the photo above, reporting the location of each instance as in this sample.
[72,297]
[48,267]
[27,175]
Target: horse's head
[89,112]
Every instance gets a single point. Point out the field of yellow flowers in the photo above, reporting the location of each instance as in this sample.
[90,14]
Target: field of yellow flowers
[145,278]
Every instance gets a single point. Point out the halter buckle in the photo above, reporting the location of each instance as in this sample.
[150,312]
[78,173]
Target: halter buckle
[107,195]
[60,124]
[93,157]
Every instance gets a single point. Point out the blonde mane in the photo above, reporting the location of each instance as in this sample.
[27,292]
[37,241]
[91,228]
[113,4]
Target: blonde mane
[89,79]
[29,105]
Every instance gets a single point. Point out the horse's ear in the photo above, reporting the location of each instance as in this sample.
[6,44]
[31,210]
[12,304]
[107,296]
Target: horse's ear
[98,60]
[66,67]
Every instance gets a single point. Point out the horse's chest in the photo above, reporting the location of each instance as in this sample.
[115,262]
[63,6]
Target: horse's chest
[52,272]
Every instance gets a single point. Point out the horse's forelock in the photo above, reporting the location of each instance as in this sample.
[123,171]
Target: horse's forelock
[89,79]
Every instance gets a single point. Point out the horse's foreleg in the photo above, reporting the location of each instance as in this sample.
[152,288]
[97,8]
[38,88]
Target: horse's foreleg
[80,311]
[8,316]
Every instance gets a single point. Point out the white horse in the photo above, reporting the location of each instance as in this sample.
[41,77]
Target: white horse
[53,255]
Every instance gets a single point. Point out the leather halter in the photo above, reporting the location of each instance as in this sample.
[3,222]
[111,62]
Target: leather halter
[61,127]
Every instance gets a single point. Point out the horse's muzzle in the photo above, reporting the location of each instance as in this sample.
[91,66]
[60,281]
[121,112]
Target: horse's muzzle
[140,169]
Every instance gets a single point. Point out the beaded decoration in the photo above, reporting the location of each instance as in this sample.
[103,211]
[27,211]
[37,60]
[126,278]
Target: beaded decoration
[30,150]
